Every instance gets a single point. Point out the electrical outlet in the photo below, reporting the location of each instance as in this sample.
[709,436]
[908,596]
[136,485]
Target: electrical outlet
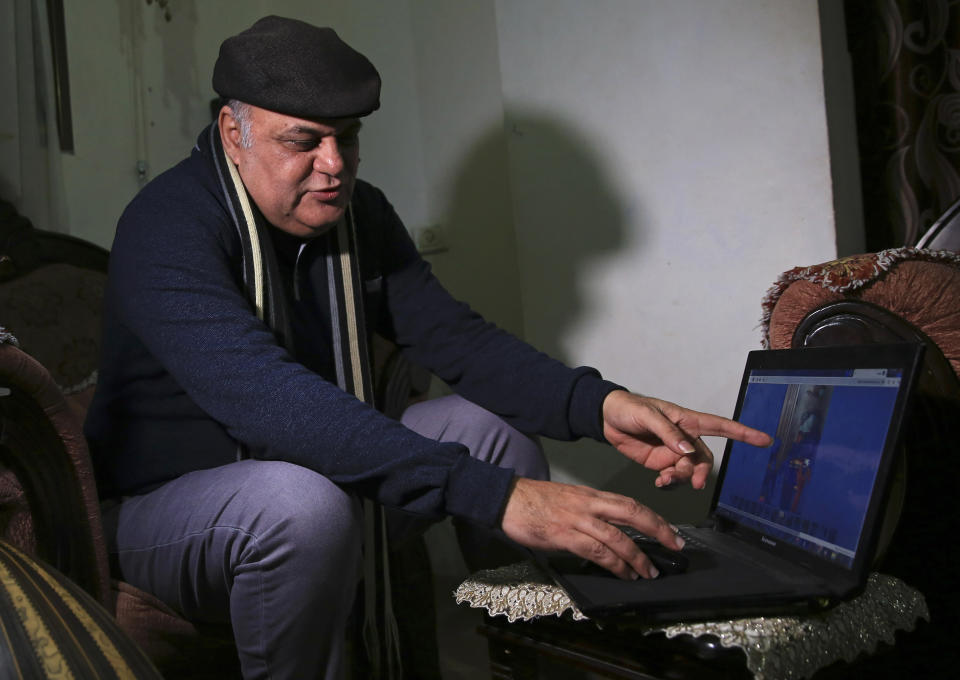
[431,239]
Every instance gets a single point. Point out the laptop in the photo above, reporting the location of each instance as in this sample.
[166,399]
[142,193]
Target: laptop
[792,527]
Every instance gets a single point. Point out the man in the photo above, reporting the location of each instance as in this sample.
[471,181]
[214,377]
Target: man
[230,413]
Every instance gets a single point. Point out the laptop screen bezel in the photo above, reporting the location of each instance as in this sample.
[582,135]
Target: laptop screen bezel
[903,356]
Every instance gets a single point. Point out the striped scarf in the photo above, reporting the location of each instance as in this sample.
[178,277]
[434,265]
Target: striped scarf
[351,359]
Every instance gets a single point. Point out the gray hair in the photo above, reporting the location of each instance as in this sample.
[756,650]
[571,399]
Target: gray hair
[241,112]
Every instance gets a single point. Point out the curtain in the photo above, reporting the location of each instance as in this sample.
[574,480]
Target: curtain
[905,56]
[30,166]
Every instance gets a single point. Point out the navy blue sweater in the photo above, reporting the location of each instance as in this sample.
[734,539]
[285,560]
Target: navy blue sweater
[188,370]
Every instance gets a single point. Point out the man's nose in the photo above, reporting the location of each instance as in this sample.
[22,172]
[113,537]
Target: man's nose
[328,158]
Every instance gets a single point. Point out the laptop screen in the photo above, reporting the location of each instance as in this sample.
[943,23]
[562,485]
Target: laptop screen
[811,488]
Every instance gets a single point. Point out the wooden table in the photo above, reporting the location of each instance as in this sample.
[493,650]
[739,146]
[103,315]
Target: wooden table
[558,647]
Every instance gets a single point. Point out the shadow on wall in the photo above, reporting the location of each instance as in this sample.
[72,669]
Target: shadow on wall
[546,177]
[542,176]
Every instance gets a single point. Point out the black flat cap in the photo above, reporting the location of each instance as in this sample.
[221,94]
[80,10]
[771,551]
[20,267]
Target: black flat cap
[292,67]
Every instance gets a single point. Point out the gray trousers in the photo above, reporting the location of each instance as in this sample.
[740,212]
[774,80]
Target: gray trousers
[275,549]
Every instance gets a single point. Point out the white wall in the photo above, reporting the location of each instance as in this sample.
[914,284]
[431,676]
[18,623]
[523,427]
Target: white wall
[466,169]
[668,161]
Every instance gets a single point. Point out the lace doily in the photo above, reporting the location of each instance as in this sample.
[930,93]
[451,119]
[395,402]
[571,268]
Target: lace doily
[8,337]
[519,591]
[776,647]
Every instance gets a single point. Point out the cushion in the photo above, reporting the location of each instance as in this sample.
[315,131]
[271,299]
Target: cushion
[921,286]
[55,313]
[53,629]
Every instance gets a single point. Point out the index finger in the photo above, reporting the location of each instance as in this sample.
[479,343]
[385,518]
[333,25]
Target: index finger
[718,426]
[626,511]
[603,543]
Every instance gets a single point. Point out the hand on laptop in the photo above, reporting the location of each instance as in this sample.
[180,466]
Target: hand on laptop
[657,434]
[553,516]
[665,437]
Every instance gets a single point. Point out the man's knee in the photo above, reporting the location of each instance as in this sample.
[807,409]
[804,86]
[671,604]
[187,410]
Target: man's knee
[301,514]
[489,437]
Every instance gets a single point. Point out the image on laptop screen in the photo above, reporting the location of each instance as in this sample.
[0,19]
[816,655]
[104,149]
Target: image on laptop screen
[811,487]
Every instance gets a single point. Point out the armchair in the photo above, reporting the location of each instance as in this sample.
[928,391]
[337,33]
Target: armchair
[899,295]
[51,287]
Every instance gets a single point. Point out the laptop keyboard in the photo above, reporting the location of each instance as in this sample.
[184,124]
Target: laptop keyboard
[641,538]
[694,544]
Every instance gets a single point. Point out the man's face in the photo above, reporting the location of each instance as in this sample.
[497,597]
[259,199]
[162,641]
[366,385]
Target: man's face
[300,172]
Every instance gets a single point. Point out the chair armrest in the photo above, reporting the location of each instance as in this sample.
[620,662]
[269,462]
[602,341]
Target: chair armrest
[42,444]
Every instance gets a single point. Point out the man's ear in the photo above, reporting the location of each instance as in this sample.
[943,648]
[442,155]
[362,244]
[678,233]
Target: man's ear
[229,133]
